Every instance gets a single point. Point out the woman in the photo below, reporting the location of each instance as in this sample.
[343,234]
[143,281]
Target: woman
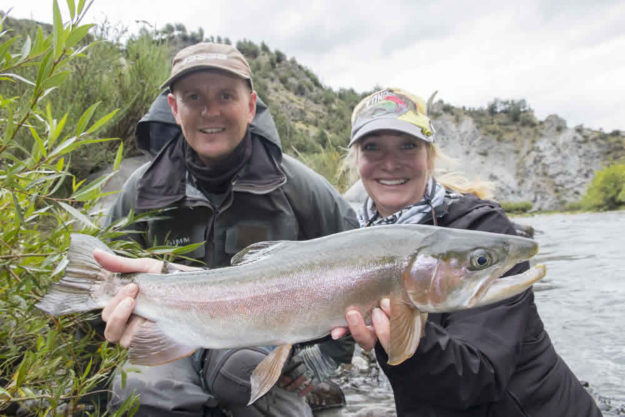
[490,361]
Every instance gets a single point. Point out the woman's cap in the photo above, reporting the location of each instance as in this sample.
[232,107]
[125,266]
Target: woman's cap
[207,55]
[391,109]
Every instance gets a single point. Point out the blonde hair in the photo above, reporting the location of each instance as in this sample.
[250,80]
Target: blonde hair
[453,180]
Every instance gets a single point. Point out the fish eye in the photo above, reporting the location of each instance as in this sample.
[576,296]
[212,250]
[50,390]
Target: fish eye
[481,259]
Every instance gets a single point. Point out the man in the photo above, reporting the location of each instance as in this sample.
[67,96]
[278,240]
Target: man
[227,184]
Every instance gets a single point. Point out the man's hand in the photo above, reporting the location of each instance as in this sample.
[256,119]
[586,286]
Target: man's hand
[121,325]
[367,335]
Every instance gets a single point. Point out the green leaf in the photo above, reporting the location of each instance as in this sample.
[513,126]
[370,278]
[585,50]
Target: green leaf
[73,143]
[60,267]
[48,91]
[77,215]
[85,119]
[17,77]
[57,29]
[77,34]
[55,80]
[39,44]
[44,70]
[65,147]
[26,48]
[81,5]
[39,148]
[119,156]
[43,180]
[20,374]
[179,250]
[101,122]
[91,191]
[174,250]
[88,369]
[54,134]
[72,9]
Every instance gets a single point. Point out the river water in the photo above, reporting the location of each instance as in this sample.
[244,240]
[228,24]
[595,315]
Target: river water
[581,301]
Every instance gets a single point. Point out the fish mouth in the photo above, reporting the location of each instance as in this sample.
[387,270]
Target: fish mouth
[509,286]
[212,130]
[399,181]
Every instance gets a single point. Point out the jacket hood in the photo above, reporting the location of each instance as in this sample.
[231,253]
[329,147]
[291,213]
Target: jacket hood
[160,115]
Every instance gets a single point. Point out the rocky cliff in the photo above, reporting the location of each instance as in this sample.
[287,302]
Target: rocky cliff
[544,162]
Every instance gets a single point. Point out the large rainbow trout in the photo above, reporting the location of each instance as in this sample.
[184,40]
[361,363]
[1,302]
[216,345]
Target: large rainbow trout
[285,292]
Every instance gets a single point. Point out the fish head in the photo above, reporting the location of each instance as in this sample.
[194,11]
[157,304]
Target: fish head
[452,269]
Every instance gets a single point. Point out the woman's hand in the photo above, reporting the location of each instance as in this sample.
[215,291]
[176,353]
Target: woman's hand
[121,325]
[367,335]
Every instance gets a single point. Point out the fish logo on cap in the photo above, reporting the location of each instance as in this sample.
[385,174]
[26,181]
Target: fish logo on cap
[391,109]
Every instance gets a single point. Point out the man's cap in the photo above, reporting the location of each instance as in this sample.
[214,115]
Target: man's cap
[207,55]
[391,109]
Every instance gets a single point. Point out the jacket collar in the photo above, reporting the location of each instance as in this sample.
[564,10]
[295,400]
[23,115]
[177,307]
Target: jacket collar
[165,180]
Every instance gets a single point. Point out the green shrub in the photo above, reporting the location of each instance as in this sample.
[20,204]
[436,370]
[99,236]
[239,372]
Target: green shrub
[516,206]
[607,189]
[327,162]
[47,367]
[124,77]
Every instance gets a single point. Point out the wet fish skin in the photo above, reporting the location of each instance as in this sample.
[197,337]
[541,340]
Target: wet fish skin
[280,293]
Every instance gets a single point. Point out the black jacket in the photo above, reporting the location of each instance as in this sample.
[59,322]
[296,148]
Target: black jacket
[495,360]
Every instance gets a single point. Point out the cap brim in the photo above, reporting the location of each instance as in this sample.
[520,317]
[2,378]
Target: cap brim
[389,124]
[188,71]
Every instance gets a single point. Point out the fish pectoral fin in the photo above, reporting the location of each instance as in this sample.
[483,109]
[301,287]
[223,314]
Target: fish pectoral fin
[150,346]
[510,286]
[268,371]
[407,325]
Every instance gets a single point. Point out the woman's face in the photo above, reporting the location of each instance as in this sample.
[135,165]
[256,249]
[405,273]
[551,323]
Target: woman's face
[394,169]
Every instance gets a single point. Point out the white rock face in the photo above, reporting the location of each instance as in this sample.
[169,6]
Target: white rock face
[550,171]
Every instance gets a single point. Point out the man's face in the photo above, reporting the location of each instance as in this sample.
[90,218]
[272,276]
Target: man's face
[213,108]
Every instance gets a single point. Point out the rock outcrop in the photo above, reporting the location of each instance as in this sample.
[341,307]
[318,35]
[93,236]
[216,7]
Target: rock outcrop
[543,162]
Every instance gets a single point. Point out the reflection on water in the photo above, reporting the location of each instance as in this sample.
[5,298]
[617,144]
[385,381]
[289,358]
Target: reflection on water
[581,301]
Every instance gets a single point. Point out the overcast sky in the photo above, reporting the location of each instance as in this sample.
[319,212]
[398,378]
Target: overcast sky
[563,57]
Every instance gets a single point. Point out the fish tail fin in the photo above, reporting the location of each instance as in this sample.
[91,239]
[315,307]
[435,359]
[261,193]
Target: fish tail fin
[73,293]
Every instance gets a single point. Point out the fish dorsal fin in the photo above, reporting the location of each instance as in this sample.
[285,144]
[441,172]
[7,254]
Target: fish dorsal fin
[256,251]
[268,371]
[407,325]
[150,346]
